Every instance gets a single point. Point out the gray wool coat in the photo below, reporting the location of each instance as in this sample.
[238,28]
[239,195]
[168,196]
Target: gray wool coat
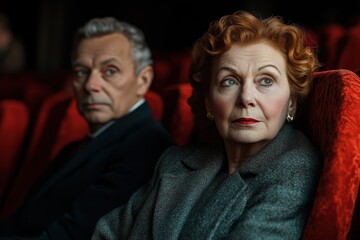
[191,197]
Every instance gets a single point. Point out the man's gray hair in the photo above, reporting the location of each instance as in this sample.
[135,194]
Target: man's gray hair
[95,27]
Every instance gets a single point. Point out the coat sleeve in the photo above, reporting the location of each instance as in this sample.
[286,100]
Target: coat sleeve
[118,223]
[115,186]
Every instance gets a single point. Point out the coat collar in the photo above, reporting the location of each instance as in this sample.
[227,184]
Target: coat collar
[118,131]
[214,155]
[201,166]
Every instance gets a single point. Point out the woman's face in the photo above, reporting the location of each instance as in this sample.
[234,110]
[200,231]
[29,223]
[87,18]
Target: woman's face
[249,94]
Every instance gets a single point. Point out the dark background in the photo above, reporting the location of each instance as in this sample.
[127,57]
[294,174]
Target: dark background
[46,27]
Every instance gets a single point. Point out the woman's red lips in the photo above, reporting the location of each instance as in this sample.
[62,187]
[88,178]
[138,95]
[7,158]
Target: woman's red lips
[246,121]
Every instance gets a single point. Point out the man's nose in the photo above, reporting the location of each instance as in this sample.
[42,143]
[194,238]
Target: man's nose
[93,82]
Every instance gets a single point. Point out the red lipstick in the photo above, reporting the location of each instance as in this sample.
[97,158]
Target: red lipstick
[245,121]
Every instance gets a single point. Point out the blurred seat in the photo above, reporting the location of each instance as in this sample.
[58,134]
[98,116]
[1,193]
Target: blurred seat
[156,104]
[354,233]
[178,117]
[330,117]
[357,71]
[350,54]
[58,123]
[14,85]
[14,121]
[312,37]
[163,72]
[170,68]
[331,43]
[184,61]
[24,86]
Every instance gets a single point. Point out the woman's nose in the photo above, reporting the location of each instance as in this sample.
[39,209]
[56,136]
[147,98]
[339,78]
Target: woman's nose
[246,96]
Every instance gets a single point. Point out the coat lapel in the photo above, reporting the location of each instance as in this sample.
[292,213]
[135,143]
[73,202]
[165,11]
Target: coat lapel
[225,204]
[115,133]
[190,182]
[223,207]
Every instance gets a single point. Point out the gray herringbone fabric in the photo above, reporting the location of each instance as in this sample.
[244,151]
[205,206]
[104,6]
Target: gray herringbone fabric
[191,197]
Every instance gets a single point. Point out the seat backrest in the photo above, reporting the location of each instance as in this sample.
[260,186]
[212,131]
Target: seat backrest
[357,71]
[14,121]
[156,104]
[330,117]
[73,127]
[178,117]
[58,123]
[170,68]
[350,55]
[331,43]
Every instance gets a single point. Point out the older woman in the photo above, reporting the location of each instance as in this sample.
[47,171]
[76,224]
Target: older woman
[259,181]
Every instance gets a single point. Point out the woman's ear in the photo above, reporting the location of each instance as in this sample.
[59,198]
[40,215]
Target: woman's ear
[207,104]
[292,106]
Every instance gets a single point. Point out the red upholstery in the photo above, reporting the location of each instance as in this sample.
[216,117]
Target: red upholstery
[13,84]
[170,68]
[331,38]
[357,71]
[350,55]
[354,233]
[14,120]
[330,117]
[73,127]
[57,124]
[312,37]
[156,104]
[163,73]
[178,118]
[24,86]
[184,61]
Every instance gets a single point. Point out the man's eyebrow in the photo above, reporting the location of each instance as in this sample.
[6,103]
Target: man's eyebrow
[78,63]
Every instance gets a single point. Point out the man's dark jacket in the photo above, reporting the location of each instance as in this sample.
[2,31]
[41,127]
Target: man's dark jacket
[81,187]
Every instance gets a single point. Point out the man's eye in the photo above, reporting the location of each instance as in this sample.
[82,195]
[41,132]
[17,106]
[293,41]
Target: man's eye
[110,71]
[81,73]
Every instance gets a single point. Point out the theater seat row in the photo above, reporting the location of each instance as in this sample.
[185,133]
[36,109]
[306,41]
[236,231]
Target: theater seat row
[59,123]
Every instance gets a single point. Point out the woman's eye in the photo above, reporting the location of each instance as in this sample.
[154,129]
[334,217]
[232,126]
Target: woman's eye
[227,82]
[266,82]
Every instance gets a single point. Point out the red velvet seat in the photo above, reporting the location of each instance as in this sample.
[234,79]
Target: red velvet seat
[330,117]
[178,117]
[312,37]
[14,121]
[156,104]
[184,61]
[350,55]
[58,123]
[163,73]
[331,37]
[357,71]
[170,68]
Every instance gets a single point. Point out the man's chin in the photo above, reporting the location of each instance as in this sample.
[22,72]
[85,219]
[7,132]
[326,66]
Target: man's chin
[97,120]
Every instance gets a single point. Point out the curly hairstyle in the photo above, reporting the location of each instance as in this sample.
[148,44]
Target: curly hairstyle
[247,28]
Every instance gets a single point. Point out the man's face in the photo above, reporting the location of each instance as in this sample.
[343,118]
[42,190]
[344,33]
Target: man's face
[105,83]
